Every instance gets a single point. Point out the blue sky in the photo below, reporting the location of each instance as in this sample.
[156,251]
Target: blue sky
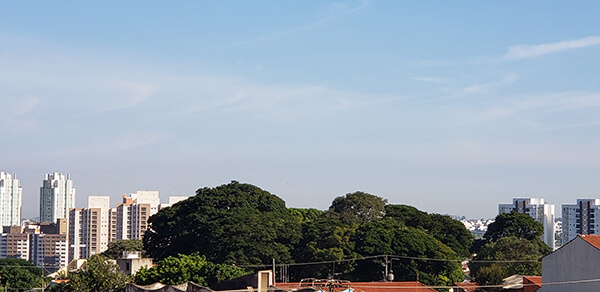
[449,107]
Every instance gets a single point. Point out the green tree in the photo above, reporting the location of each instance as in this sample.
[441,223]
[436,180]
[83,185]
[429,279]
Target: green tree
[408,244]
[445,229]
[325,239]
[514,224]
[184,268]
[519,225]
[491,275]
[304,215]
[358,207]
[234,223]
[116,248]
[96,275]
[18,274]
[514,255]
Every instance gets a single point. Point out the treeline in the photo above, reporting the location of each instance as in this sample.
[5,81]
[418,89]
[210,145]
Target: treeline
[243,225]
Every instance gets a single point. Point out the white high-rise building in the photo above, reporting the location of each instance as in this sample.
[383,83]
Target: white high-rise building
[10,200]
[133,214]
[539,210]
[90,228]
[57,197]
[580,219]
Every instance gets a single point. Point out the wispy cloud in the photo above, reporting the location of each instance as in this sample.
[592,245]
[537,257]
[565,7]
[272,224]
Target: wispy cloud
[430,79]
[133,93]
[531,51]
[339,9]
[117,144]
[486,87]
[267,101]
[539,110]
[18,113]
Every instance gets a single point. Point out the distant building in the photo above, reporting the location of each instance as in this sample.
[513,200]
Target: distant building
[172,201]
[519,283]
[90,228]
[132,215]
[580,219]
[573,267]
[14,245]
[49,251]
[539,210]
[132,261]
[10,200]
[57,197]
[44,244]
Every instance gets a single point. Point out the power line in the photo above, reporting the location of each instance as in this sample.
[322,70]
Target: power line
[390,256]
[274,288]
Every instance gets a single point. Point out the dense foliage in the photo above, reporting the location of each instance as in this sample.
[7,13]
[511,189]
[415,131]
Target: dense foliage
[184,268]
[116,248]
[18,274]
[98,274]
[244,225]
[512,245]
[445,229]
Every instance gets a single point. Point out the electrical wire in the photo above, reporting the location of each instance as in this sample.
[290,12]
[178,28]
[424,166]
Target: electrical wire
[389,256]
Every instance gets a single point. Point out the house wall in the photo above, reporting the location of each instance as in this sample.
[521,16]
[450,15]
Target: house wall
[575,261]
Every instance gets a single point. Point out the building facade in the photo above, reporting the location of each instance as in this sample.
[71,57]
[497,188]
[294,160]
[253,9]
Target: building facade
[580,219]
[90,228]
[57,197]
[43,244]
[14,245]
[133,214]
[49,251]
[11,195]
[573,267]
[539,210]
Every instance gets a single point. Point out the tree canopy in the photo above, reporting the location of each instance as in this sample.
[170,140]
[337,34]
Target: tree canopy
[184,268]
[96,275]
[445,229]
[241,224]
[511,245]
[18,274]
[116,248]
[358,207]
[391,237]
[234,223]
[514,224]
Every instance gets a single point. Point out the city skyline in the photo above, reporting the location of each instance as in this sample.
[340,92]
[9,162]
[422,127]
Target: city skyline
[449,108]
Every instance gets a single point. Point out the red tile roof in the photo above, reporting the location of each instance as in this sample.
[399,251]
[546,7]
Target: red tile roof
[467,286]
[592,239]
[532,283]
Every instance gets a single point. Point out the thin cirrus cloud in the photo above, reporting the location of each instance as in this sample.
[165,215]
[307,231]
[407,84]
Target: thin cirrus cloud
[117,144]
[340,11]
[21,116]
[531,51]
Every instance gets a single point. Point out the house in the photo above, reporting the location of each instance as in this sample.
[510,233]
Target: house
[465,286]
[573,267]
[132,262]
[518,283]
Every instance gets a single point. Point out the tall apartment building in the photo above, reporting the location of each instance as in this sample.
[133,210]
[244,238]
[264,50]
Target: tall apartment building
[90,229]
[11,195]
[133,214]
[57,197]
[580,219]
[14,245]
[49,251]
[539,210]
[44,244]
